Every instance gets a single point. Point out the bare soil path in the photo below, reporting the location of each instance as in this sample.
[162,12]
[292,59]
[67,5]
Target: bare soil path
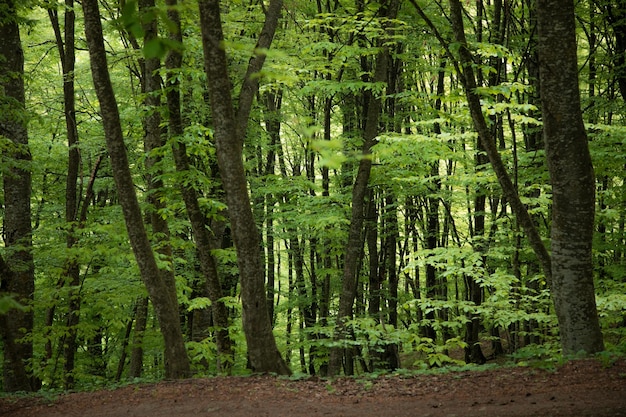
[579,388]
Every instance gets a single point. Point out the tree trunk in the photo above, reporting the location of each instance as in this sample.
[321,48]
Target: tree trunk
[199,222]
[229,133]
[466,73]
[272,101]
[371,239]
[391,354]
[153,140]
[17,271]
[66,47]
[176,360]
[615,14]
[572,177]
[355,240]
[135,366]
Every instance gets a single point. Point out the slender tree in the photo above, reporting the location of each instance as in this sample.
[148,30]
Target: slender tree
[354,244]
[71,276]
[199,222]
[468,78]
[176,360]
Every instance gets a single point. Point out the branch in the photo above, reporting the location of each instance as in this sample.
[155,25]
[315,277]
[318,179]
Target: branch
[489,144]
[251,80]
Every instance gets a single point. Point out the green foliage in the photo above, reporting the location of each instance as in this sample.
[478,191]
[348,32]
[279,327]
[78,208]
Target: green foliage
[321,66]
[433,354]
[131,21]
[544,356]
[8,303]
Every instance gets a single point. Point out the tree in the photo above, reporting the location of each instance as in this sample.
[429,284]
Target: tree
[17,270]
[71,277]
[160,290]
[468,78]
[355,243]
[230,129]
[615,14]
[572,178]
[151,82]
[198,220]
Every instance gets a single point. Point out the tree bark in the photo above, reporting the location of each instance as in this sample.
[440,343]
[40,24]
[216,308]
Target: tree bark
[272,101]
[355,241]
[199,222]
[229,133]
[17,273]
[572,178]
[391,355]
[354,244]
[153,140]
[176,360]
[66,46]
[135,366]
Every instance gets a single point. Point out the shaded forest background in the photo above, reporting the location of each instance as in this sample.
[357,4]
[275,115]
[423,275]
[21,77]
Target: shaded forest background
[444,272]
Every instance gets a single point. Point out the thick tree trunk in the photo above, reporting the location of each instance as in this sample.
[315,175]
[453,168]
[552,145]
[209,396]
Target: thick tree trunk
[153,140]
[17,270]
[572,177]
[176,360]
[229,133]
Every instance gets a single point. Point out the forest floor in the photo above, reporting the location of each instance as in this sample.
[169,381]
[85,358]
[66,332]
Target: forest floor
[578,388]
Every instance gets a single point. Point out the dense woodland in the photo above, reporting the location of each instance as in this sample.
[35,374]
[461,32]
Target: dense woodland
[203,187]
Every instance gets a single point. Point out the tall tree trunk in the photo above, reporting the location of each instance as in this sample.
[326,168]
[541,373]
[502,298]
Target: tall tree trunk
[135,366]
[355,239]
[391,355]
[354,245]
[199,222]
[176,360]
[473,350]
[230,130]
[468,78]
[17,271]
[152,141]
[572,177]
[435,285]
[272,104]
[615,14]
[65,45]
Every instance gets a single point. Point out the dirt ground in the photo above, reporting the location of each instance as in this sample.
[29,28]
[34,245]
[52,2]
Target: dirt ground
[579,388]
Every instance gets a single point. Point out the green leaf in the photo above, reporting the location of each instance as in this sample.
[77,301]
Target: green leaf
[130,19]
[155,48]
[7,303]
[198,303]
